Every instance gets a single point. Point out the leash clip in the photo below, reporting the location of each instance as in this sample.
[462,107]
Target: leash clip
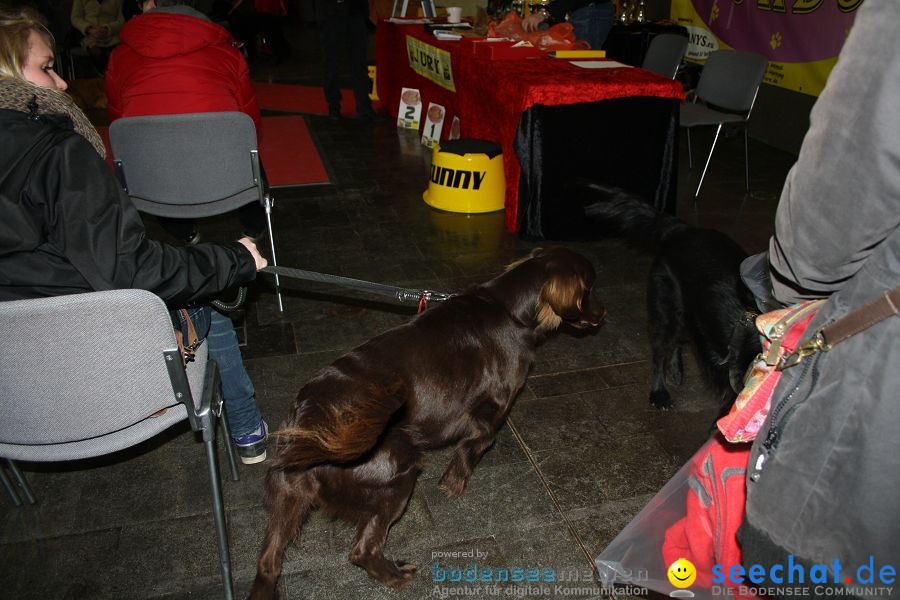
[435,296]
[814,345]
[427,296]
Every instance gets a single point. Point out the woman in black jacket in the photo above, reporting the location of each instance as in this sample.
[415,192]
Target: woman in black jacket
[68,228]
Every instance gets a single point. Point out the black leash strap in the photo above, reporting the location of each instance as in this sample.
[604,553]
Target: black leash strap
[401,294]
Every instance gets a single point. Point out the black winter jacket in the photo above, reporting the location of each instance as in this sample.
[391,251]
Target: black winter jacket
[66,227]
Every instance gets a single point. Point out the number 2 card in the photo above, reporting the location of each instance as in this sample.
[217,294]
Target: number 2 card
[410,113]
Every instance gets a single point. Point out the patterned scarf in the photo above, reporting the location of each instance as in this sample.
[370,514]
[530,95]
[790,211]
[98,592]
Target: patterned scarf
[24,96]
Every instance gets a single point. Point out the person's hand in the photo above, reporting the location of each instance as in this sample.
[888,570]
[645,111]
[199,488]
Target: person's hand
[258,258]
[532,21]
[96,31]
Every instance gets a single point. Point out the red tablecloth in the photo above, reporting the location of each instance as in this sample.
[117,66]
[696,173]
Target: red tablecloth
[491,95]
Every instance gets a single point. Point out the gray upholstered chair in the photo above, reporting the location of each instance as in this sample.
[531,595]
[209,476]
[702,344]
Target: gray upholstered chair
[725,93]
[192,166]
[665,54]
[86,375]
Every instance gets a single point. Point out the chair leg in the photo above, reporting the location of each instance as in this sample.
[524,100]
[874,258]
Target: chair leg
[10,489]
[690,156]
[71,64]
[746,157]
[268,207]
[219,516]
[229,446]
[708,158]
[23,483]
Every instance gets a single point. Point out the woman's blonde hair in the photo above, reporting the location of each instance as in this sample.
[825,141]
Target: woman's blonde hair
[16,25]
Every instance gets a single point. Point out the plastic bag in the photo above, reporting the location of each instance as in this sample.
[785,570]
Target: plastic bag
[557,37]
[695,517]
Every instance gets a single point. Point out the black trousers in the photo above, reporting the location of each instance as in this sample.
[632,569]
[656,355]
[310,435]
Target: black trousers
[342,28]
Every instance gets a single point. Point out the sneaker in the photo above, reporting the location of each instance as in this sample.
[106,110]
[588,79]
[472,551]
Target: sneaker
[252,447]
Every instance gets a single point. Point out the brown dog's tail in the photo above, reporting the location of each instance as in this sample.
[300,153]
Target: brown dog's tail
[338,430]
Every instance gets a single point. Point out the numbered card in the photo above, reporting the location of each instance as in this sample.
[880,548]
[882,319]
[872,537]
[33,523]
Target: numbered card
[410,113]
[454,129]
[434,123]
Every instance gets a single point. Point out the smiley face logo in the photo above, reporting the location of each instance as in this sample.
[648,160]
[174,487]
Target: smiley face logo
[682,573]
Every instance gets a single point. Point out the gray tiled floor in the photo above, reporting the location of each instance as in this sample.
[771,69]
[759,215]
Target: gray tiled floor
[580,456]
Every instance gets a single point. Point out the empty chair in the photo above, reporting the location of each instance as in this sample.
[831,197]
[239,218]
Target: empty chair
[725,93]
[191,166]
[86,375]
[664,54]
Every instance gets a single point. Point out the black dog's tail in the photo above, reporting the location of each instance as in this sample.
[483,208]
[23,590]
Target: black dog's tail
[617,213]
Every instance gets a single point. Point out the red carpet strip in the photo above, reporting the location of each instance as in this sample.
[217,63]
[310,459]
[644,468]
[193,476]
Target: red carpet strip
[300,99]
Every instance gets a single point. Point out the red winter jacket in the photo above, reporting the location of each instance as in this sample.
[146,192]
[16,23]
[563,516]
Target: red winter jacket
[170,63]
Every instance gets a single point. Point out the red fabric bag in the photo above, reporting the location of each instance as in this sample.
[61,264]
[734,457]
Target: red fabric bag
[780,333]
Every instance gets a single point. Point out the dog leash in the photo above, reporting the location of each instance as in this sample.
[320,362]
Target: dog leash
[887,304]
[423,297]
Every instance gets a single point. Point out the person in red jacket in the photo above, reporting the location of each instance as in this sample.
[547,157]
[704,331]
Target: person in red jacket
[174,60]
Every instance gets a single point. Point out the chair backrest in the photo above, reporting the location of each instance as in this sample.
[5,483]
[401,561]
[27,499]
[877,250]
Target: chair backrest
[665,53]
[731,79]
[189,165]
[82,375]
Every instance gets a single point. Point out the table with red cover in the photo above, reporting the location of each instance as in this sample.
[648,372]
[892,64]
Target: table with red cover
[555,122]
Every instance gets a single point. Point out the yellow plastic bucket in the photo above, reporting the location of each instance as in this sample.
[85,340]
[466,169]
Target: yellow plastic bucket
[466,177]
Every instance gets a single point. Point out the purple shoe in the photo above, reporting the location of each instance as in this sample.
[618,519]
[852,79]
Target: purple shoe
[252,447]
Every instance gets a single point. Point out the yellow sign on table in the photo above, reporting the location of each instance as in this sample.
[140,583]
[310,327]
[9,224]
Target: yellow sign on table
[430,62]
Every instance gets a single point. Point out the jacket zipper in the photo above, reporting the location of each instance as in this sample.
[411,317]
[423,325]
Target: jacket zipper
[770,444]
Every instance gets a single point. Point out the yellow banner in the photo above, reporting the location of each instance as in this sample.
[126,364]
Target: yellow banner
[801,38]
[430,62]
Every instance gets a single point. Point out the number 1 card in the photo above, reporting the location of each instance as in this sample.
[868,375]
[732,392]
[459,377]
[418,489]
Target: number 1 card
[434,123]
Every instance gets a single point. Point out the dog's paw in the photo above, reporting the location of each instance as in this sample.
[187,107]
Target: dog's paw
[452,486]
[401,575]
[661,399]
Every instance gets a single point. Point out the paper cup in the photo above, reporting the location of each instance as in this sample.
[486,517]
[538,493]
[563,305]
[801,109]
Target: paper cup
[454,14]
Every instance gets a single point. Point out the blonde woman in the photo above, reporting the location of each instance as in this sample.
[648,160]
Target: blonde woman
[67,228]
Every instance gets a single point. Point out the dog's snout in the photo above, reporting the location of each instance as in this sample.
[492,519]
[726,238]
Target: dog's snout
[595,318]
[594,310]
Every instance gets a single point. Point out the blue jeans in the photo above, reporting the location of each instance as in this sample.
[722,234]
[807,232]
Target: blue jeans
[593,22]
[237,389]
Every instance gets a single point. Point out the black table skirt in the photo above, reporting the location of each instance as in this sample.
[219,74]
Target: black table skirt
[630,143]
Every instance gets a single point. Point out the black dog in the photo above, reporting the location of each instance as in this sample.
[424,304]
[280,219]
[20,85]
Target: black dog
[695,293]
[353,442]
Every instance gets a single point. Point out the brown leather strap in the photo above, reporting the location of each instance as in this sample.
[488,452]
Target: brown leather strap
[879,309]
[187,350]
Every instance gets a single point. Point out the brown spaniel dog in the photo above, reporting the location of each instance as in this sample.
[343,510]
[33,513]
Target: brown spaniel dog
[353,442]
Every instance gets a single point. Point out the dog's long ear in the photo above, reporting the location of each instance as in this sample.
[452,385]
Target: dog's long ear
[560,298]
